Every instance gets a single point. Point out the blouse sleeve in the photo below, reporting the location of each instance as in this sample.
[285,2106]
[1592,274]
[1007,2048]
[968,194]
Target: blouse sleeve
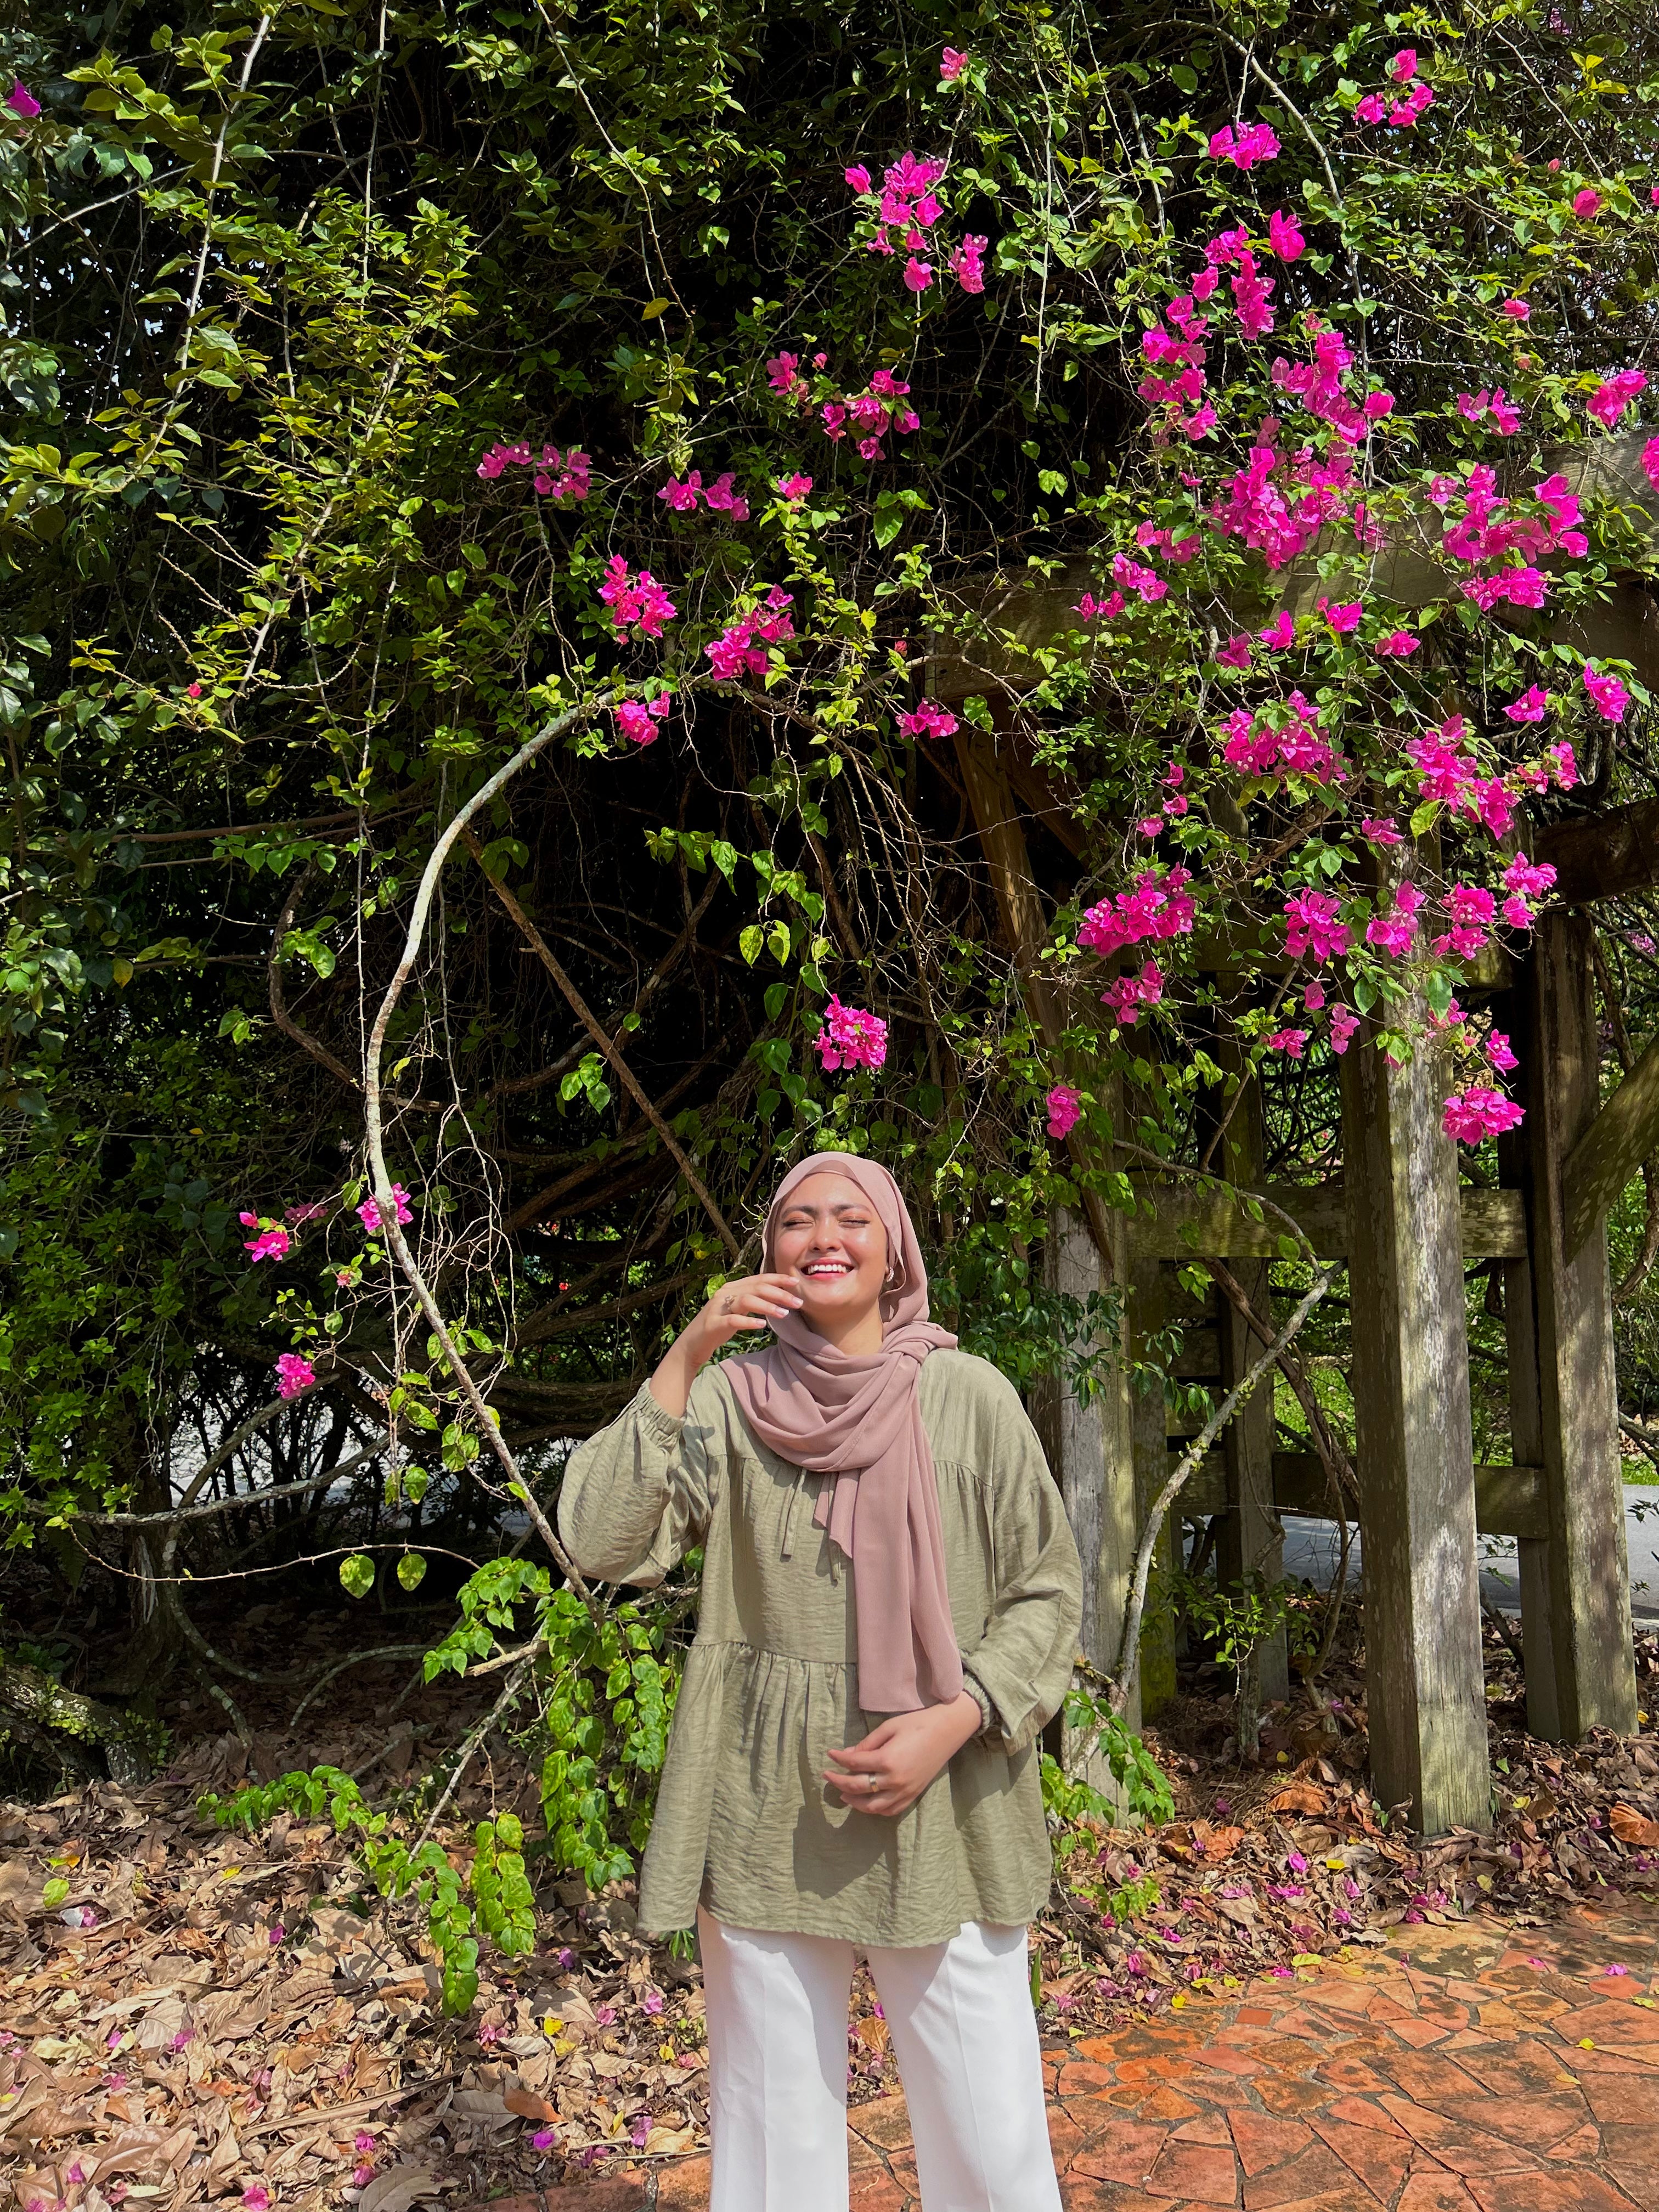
[1024,1662]
[635,1497]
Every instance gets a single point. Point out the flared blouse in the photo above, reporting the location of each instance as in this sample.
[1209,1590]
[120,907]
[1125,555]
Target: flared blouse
[745,1823]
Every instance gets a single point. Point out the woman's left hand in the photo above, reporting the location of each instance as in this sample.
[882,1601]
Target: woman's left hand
[895,1763]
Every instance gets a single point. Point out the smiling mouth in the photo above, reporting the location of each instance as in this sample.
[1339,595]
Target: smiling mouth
[826,1270]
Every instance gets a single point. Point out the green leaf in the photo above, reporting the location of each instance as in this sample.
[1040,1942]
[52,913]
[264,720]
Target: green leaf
[357,1575]
[411,1570]
[751,942]
[54,1893]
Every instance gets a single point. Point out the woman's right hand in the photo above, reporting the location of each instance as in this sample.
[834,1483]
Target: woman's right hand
[752,1301]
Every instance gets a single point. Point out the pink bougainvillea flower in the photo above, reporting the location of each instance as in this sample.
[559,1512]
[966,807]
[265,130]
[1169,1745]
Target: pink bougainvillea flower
[968,264]
[1255,142]
[257,2198]
[1313,999]
[1404,115]
[1380,833]
[1064,1106]
[1293,1043]
[951,63]
[1530,878]
[918,274]
[1372,109]
[1342,619]
[850,1037]
[1236,653]
[294,1373]
[635,601]
[1517,310]
[795,488]
[683,497]
[1403,68]
[1651,462]
[22,101]
[1279,633]
[1531,707]
[859,177]
[1479,1112]
[651,2003]
[1146,584]
[1398,645]
[1500,1054]
[1343,1026]
[369,1212]
[1313,927]
[1607,695]
[1587,203]
[1392,934]
[544,2138]
[636,718]
[719,498]
[1611,398]
[741,646]
[1157,905]
[271,1243]
[928,720]
[782,374]
[1129,994]
[1285,236]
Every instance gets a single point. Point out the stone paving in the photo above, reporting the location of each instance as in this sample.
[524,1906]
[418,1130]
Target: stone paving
[1465,2068]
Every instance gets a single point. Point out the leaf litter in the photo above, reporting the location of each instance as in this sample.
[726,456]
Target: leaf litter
[191,2017]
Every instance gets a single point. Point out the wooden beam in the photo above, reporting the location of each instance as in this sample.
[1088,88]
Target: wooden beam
[1509,1501]
[1410,1378]
[1610,1152]
[1598,856]
[1493,1223]
[1578,1581]
[1143,1321]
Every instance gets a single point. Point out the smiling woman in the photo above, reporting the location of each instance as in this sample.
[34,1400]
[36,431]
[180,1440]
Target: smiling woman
[852,1766]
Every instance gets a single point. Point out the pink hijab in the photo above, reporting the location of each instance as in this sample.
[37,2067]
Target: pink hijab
[856,1417]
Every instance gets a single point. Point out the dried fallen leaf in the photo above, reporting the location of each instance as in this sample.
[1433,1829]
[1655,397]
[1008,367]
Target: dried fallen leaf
[528,2106]
[1632,1827]
[398,2188]
[1300,1797]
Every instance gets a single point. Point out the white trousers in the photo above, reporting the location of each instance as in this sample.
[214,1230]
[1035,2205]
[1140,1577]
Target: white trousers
[963,2034]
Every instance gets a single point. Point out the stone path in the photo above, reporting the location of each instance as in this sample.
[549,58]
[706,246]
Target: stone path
[1466,2068]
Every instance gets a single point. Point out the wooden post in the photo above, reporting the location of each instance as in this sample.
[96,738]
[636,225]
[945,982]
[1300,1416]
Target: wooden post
[1148,1418]
[1252,1538]
[1425,1686]
[1091,1450]
[1575,1586]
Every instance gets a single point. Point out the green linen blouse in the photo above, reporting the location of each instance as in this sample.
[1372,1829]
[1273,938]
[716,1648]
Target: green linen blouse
[746,1824]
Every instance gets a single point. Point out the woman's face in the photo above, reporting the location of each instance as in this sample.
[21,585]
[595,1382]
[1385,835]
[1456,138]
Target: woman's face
[829,1236]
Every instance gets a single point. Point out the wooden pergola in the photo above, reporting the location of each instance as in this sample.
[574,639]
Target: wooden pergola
[1406,1227]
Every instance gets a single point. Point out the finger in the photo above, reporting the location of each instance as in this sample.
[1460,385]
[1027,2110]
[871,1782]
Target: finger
[854,1757]
[882,1735]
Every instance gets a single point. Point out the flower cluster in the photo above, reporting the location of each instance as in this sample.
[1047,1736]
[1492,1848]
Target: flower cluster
[369,1212]
[1129,994]
[871,413]
[1478,1112]
[1607,694]
[1157,906]
[908,211]
[554,478]
[1286,740]
[1394,932]
[271,1241]
[22,101]
[928,720]
[850,1037]
[294,1373]
[635,600]
[1399,107]
[1255,142]
[741,644]
[637,718]
[1474,406]
[1614,394]
[1313,927]
[1064,1106]
[718,497]
[1488,533]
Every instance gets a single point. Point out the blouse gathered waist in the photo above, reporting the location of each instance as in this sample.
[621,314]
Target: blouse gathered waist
[745,1823]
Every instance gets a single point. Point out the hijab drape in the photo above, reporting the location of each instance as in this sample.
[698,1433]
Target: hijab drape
[856,1416]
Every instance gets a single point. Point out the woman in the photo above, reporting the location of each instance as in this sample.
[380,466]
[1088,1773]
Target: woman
[890,1607]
